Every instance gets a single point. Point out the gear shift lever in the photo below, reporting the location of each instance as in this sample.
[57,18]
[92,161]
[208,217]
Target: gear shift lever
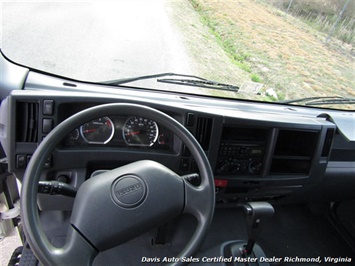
[258,214]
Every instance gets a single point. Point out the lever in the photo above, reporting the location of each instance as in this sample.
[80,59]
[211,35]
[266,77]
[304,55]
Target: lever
[258,214]
[56,188]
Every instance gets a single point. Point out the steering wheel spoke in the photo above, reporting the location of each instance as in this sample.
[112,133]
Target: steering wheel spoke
[196,200]
[69,255]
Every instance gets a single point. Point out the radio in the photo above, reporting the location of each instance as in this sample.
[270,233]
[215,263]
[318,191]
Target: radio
[240,158]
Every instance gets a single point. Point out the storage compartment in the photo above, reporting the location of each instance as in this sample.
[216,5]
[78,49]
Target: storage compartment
[294,152]
[296,143]
[290,166]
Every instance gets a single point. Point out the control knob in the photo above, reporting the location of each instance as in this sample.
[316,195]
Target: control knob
[254,167]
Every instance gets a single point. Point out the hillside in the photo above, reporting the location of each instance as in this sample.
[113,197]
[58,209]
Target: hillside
[324,15]
[263,45]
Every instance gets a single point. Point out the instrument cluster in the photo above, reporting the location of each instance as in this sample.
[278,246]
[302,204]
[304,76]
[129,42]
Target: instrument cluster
[133,131]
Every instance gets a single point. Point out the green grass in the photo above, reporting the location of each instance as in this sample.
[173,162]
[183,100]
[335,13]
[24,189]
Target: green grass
[238,58]
[255,78]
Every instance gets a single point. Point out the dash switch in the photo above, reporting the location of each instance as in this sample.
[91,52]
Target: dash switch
[47,125]
[190,119]
[48,107]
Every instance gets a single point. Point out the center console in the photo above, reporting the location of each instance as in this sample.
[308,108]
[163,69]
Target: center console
[269,162]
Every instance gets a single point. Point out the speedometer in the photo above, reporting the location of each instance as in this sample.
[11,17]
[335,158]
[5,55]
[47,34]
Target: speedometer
[98,131]
[140,131]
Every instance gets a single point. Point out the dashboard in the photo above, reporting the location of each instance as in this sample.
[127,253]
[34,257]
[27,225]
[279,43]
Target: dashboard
[257,152]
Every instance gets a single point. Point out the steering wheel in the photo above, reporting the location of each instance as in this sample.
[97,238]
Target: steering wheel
[118,205]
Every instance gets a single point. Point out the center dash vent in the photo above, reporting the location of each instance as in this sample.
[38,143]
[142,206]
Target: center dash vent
[203,132]
[27,122]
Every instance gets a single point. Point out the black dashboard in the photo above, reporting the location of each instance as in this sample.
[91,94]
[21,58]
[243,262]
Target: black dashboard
[257,152]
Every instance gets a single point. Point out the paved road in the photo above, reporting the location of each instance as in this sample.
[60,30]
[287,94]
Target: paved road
[94,41]
[91,41]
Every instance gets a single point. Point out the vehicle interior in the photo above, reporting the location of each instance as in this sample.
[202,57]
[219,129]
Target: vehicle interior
[192,132]
[117,175]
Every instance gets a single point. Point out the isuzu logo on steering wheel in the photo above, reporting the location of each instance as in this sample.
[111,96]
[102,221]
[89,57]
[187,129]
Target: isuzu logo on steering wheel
[128,191]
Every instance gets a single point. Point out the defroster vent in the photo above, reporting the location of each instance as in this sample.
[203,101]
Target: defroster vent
[27,122]
[203,132]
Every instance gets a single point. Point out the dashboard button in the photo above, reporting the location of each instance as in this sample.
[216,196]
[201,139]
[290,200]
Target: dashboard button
[47,125]
[190,119]
[21,161]
[48,107]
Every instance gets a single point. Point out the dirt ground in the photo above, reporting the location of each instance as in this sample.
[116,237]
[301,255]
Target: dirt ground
[287,55]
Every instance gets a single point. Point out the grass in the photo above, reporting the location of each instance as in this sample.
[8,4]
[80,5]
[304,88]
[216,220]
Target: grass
[322,14]
[284,53]
[226,39]
[255,78]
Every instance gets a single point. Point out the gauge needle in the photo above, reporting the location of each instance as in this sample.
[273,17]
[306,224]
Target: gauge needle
[90,130]
[133,133]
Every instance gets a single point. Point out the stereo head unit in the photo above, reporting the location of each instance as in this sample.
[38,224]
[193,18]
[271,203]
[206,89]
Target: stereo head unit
[241,151]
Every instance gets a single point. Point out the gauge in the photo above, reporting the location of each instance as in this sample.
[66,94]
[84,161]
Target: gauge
[74,135]
[140,131]
[98,131]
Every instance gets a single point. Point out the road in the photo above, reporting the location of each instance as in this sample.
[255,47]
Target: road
[94,40]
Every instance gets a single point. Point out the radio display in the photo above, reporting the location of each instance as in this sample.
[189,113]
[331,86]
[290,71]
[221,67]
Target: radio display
[256,151]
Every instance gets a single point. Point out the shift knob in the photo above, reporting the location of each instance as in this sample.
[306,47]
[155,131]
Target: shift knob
[258,214]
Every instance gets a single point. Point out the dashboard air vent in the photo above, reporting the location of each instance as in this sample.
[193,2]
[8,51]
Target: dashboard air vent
[203,132]
[27,122]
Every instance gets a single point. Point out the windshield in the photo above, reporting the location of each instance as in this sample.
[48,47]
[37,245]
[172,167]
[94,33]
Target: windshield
[271,51]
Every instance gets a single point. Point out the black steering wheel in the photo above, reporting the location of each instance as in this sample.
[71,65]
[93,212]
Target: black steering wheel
[120,204]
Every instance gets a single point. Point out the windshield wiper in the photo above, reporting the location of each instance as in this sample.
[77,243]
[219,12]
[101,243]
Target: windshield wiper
[322,100]
[202,83]
[191,81]
[127,80]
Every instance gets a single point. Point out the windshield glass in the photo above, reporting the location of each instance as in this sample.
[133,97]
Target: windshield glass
[276,50]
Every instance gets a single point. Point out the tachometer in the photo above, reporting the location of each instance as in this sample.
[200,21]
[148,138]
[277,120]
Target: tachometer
[140,131]
[98,131]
